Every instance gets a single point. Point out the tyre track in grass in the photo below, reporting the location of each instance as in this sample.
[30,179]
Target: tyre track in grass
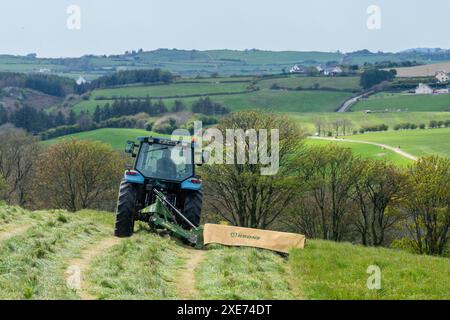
[75,273]
[14,230]
[185,283]
[293,282]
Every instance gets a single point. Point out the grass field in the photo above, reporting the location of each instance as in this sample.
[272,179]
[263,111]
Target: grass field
[408,102]
[416,142]
[172,90]
[114,137]
[272,100]
[293,82]
[34,264]
[427,70]
[361,119]
[366,151]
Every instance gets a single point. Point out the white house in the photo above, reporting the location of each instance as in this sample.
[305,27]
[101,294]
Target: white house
[423,89]
[442,76]
[81,81]
[337,70]
[297,69]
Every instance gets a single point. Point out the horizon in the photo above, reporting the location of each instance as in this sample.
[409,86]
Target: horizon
[220,49]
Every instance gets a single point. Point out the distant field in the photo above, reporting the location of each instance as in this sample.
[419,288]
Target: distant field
[180,89]
[390,101]
[273,100]
[114,137]
[416,142]
[361,119]
[428,70]
[366,151]
[293,82]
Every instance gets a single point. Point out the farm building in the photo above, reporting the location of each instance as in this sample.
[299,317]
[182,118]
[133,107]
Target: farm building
[442,76]
[423,89]
[81,81]
[297,69]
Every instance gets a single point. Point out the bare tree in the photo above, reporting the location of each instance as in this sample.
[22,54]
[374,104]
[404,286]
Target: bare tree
[18,153]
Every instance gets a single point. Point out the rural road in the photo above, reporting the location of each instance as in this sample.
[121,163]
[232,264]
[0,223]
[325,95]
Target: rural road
[351,101]
[396,150]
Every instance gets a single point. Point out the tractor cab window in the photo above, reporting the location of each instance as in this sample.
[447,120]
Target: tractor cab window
[165,162]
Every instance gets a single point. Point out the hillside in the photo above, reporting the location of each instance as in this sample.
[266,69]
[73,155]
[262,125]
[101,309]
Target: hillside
[40,251]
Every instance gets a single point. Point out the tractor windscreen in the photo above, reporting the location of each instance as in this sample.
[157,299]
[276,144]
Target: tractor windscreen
[165,162]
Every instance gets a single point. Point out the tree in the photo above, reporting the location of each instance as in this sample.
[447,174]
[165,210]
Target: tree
[238,192]
[75,175]
[428,204]
[3,188]
[18,153]
[372,77]
[329,174]
[179,106]
[378,194]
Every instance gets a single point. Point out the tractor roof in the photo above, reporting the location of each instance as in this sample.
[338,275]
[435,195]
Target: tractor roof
[167,141]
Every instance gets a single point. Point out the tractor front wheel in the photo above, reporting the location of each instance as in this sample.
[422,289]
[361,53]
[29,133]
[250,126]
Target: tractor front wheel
[193,206]
[126,210]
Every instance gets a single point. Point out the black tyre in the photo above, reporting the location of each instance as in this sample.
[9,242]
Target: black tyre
[193,207]
[126,210]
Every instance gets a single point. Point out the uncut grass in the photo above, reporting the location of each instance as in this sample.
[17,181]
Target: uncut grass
[142,267]
[328,270]
[32,264]
[242,273]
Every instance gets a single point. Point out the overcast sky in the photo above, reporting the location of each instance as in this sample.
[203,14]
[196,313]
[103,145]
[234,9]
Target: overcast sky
[113,26]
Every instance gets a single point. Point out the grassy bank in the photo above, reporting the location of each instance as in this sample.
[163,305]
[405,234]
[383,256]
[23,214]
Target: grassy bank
[328,270]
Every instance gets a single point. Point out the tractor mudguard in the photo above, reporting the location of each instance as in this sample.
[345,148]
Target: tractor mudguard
[133,176]
[191,184]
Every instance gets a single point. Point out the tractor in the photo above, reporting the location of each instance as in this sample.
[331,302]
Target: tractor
[161,189]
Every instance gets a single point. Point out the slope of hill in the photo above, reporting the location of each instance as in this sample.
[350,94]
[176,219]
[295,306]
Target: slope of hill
[42,258]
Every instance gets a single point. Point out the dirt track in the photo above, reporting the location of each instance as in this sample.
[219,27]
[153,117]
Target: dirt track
[186,279]
[83,263]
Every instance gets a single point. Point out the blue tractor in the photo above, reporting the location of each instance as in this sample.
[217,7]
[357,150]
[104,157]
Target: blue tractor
[161,189]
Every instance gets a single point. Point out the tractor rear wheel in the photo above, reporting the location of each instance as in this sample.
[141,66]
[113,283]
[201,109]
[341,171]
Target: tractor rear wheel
[126,210]
[193,206]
